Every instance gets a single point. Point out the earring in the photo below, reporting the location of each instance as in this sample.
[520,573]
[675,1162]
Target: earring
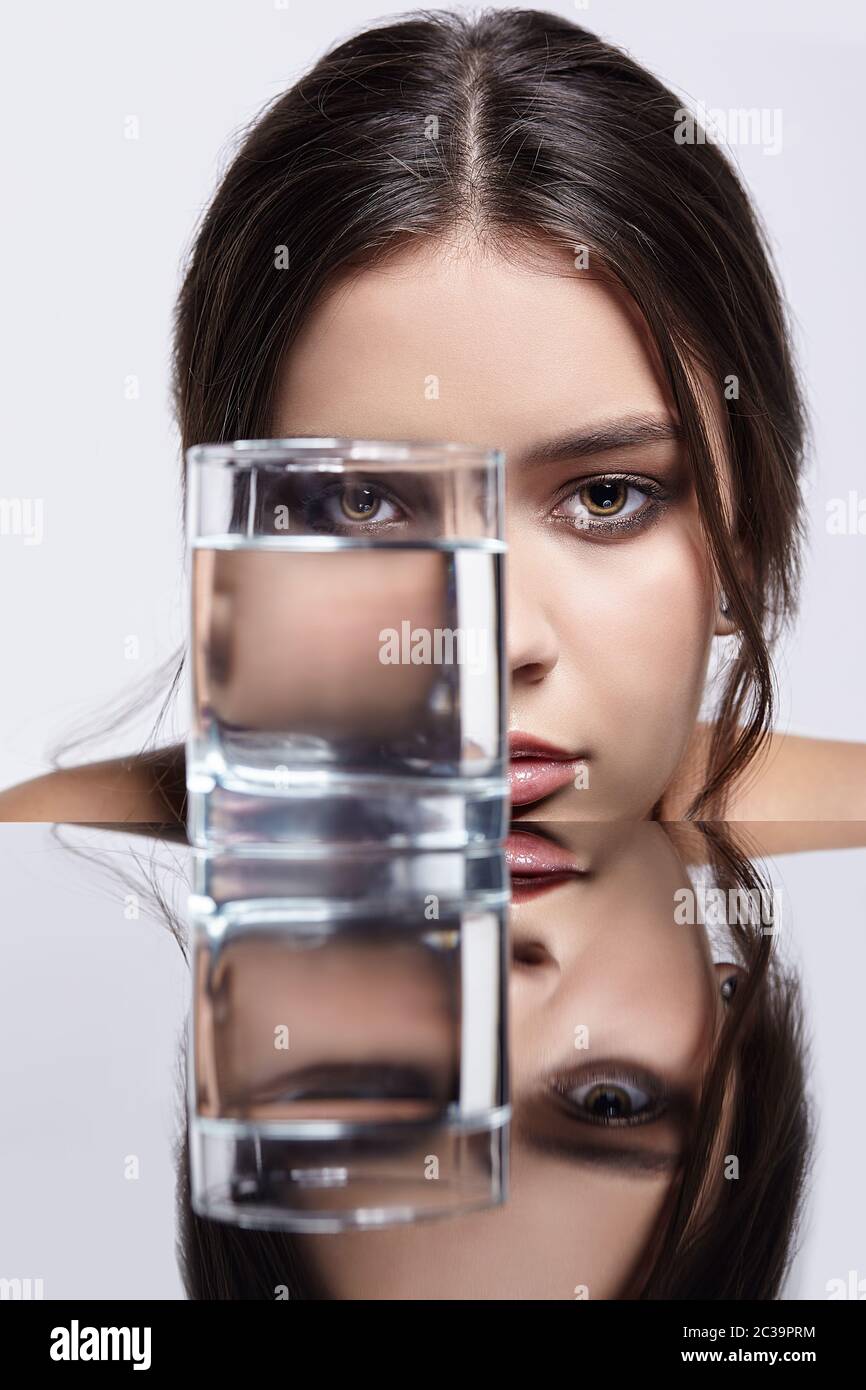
[729,988]
[724,606]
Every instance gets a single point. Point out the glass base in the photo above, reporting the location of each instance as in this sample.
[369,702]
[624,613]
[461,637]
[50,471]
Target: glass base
[293,1178]
[406,813]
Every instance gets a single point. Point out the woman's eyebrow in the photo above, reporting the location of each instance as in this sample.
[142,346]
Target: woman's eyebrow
[624,433]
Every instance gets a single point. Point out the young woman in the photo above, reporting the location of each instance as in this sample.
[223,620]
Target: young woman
[486,230]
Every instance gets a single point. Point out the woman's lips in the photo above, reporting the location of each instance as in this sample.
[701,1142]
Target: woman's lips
[538,769]
[537,864]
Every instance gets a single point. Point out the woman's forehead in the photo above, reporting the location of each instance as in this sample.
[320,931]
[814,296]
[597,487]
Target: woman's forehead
[477,344]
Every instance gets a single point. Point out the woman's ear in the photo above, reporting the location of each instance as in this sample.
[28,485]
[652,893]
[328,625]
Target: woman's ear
[725,624]
[728,977]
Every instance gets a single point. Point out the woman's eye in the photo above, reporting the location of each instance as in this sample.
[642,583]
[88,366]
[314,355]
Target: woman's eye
[605,499]
[360,504]
[606,1102]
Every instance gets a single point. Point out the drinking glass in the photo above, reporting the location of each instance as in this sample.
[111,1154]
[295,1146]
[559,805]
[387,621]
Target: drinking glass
[347,643]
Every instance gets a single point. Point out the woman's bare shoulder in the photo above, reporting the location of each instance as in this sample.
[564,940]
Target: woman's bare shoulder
[129,789]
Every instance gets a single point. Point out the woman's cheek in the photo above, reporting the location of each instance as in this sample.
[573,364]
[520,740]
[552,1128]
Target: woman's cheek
[649,654]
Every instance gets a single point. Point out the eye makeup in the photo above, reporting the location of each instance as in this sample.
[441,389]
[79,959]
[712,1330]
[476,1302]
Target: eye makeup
[598,504]
[611,1094]
[550,1120]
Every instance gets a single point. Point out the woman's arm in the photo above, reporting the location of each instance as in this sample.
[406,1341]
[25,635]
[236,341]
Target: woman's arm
[805,793]
[116,790]
[803,779]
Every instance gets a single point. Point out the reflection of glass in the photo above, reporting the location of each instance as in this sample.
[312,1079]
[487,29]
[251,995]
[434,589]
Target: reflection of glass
[643,1055]
[347,643]
[348,1038]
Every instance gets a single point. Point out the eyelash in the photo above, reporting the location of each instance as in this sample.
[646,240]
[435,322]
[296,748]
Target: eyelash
[315,516]
[562,1086]
[359,527]
[657,499]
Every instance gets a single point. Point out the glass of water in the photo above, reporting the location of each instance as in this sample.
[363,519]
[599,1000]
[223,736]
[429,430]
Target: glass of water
[348,1042]
[347,643]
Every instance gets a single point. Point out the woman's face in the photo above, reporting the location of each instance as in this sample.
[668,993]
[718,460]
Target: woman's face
[612,1005]
[611,607]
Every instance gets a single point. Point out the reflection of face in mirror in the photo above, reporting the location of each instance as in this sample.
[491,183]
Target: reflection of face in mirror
[372,1033]
[614,1012]
[641,1060]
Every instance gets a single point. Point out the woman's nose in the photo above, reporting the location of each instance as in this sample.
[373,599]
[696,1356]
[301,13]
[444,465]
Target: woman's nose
[531,640]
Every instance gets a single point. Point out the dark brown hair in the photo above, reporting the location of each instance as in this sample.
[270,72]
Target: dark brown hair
[546,135]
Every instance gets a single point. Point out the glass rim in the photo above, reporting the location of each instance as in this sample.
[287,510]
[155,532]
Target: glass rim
[337,449]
